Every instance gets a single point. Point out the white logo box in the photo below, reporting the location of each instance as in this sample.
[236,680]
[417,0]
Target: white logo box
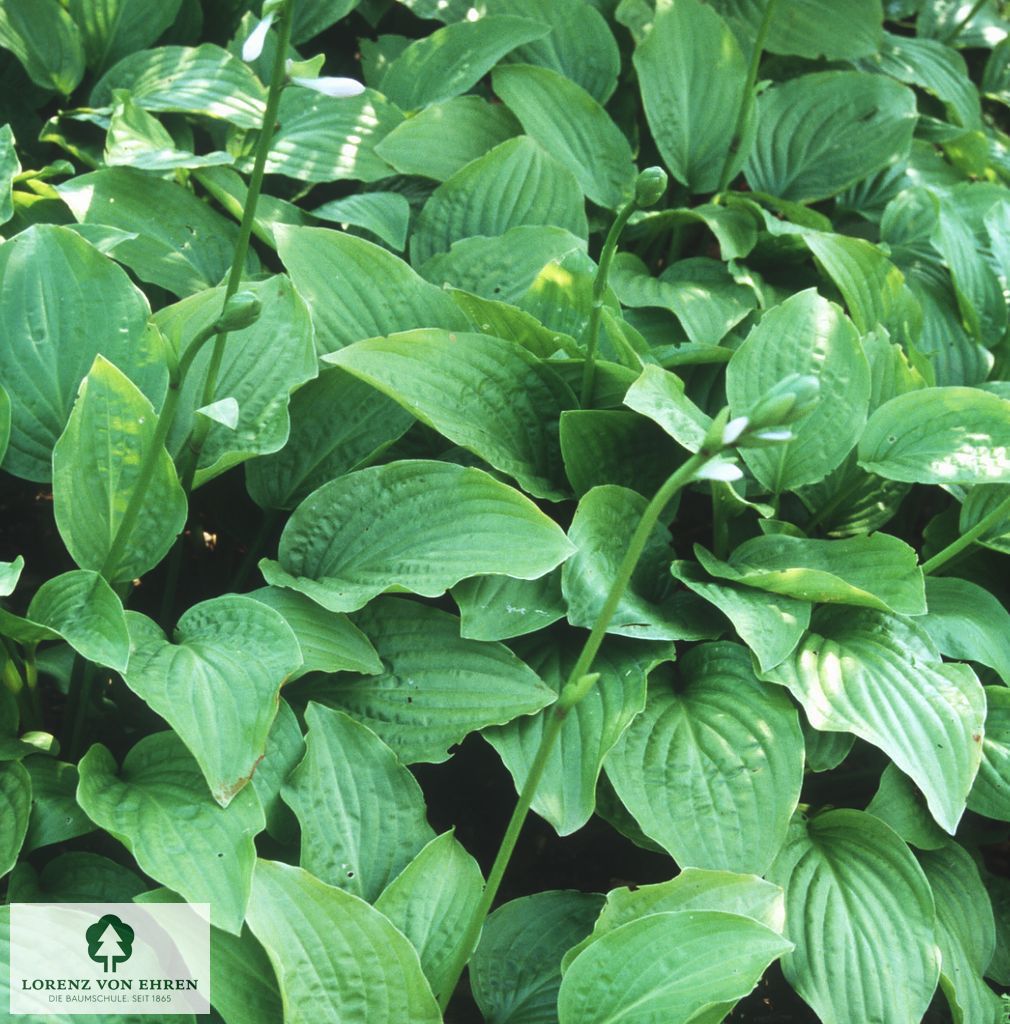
[57,968]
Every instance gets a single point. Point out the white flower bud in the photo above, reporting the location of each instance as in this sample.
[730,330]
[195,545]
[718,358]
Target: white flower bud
[732,431]
[338,87]
[719,470]
[253,46]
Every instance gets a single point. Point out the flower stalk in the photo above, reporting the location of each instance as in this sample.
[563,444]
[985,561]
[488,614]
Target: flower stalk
[649,188]
[787,402]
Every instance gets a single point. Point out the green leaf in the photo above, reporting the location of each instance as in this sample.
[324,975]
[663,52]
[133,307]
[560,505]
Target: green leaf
[329,641]
[216,683]
[313,16]
[872,286]
[10,168]
[668,966]
[336,274]
[488,395]
[186,248]
[453,59]
[10,573]
[818,134]
[770,624]
[692,889]
[75,878]
[606,446]
[965,933]
[832,29]
[80,608]
[204,80]
[261,366]
[138,139]
[242,979]
[712,770]
[362,813]
[502,320]
[566,795]
[515,973]
[384,214]
[285,748]
[602,527]
[898,803]
[431,901]
[580,44]
[55,815]
[660,396]
[856,899]
[991,793]
[879,571]
[503,268]
[325,138]
[700,292]
[93,484]
[981,500]
[498,607]
[320,449]
[422,526]
[210,858]
[892,674]
[16,801]
[570,124]
[517,183]
[336,958]
[949,435]
[436,687]
[977,289]
[114,29]
[470,124]
[45,40]
[63,303]
[805,334]
[936,67]
[967,622]
[693,112]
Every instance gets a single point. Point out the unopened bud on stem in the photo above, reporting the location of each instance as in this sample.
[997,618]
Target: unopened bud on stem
[240,311]
[650,186]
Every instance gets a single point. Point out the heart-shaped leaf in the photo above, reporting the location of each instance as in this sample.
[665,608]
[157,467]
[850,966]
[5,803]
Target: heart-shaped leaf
[158,807]
[853,887]
[217,684]
[712,769]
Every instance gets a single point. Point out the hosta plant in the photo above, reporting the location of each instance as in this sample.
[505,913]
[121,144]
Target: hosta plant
[419,414]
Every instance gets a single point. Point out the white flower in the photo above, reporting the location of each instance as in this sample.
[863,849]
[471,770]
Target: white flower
[732,431]
[339,87]
[253,46]
[719,470]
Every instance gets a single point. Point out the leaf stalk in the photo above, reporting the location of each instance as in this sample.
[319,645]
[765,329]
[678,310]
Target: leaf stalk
[1000,512]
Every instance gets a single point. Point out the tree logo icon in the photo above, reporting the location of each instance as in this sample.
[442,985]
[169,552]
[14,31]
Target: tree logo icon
[110,942]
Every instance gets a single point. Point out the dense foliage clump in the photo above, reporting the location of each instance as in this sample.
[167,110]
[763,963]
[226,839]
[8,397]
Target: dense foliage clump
[608,398]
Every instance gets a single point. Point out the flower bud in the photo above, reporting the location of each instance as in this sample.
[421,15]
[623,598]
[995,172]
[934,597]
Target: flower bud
[253,46]
[650,186]
[340,88]
[240,311]
[789,400]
